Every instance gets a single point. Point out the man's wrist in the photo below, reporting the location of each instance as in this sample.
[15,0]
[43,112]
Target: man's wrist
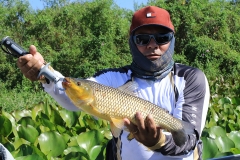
[160,143]
[42,78]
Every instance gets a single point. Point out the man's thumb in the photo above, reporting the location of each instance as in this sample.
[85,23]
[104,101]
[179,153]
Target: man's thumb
[32,50]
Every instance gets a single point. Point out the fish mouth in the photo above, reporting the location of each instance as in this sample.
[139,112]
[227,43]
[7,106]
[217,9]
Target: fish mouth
[66,82]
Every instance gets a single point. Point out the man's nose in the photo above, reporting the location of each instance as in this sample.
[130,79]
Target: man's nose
[152,43]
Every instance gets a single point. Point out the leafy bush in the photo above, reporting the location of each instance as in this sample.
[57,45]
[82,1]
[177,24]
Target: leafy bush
[214,57]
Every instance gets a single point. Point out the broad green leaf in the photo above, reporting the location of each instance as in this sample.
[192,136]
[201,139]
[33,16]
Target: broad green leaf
[91,122]
[80,119]
[90,139]
[46,122]
[27,121]
[3,139]
[61,129]
[52,143]
[227,108]
[235,137]
[106,132]
[214,115]
[56,118]
[28,133]
[30,157]
[20,114]
[231,126]
[209,148]
[235,150]
[47,108]
[73,142]
[36,111]
[236,112]
[5,125]
[76,156]
[238,107]
[69,117]
[76,149]
[20,141]
[11,118]
[224,144]
[211,123]
[231,121]
[105,123]
[9,146]
[238,120]
[66,137]
[95,151]
[225,100]
[79,129]
[23,150]
[236,101]
[221,154]
[37,151]
[44,129]
[216,131]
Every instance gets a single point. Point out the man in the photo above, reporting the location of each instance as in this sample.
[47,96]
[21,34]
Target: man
[182,90]
[5,154]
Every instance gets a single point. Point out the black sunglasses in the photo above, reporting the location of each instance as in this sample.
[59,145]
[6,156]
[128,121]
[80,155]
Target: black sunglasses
[160,39]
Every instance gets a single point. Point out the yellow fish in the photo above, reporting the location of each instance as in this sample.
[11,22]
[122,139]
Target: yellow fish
[114,104]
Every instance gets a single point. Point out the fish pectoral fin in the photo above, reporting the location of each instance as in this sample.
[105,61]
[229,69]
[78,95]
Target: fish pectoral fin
[129,87]
[116,126]
[94,107]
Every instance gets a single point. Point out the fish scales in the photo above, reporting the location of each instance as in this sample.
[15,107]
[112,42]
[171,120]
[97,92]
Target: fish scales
[119,104]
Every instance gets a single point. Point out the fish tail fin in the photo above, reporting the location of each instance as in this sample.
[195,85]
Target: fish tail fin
[188,127]
[180,136]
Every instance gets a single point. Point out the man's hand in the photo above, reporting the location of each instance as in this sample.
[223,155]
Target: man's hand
[145,131]
[30,64]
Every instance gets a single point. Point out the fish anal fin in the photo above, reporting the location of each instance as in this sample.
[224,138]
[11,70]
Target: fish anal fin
[116,126]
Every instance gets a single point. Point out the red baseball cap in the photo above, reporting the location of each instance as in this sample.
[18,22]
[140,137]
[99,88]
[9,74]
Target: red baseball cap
[151,15]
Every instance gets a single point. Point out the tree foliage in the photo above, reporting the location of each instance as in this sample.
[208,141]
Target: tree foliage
[82,37]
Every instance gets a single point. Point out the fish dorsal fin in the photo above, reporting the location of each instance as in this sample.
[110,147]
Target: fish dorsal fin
[116,126]
[129,87]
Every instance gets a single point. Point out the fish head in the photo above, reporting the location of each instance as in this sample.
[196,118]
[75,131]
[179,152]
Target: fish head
[79,91]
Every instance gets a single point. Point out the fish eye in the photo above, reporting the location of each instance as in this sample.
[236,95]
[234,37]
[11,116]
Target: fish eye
[78,83]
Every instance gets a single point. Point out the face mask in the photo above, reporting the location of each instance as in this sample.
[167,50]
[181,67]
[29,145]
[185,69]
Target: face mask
[157,69]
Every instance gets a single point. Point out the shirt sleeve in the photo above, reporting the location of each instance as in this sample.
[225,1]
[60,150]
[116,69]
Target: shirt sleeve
[193,105]
[56,91]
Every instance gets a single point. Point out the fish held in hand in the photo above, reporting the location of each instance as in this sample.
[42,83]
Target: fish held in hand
[115,104]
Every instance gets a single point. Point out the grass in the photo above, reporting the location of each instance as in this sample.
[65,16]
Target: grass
[11,100]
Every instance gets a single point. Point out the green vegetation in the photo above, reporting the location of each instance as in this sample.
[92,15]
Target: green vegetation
[47,131]
[83,37]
